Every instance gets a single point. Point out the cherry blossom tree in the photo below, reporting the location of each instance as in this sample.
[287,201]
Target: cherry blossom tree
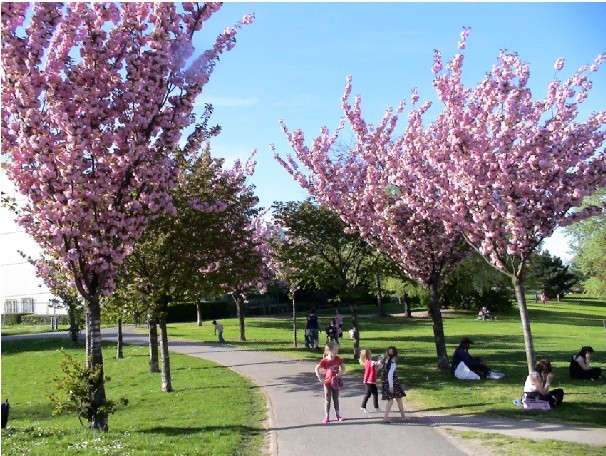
[508,168]
[94,99]
[373,186]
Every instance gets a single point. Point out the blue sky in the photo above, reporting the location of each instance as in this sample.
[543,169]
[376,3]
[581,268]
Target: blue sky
[292,62]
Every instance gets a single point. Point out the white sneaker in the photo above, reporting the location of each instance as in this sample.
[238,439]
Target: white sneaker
[378,410]
[495,376]
[363,409]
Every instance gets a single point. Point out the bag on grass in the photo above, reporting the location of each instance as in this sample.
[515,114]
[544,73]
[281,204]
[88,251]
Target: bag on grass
[464,373]
[535,404]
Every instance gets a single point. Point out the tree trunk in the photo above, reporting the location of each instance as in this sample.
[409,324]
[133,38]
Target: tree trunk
[438,325]
[241,308]
[294,319]
[74,324]
[531,359]
[199,314]
[97,419]
[407,307]
[379,296]
[153,345]
[88,339]
[167,386]
[356,328]
[119,353]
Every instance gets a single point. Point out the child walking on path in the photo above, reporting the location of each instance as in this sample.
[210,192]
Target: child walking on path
[370,379]
[392,389]
[334,369]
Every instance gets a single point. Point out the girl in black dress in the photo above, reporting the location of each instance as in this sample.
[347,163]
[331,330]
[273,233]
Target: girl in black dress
[392,389]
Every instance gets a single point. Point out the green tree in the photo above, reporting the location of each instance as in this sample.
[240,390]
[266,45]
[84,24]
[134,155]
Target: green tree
[323,256]
[189,254]
[589,246]
[550,275]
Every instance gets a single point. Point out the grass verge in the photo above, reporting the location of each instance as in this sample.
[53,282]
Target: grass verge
[13,330]
[511,446]
[212,410]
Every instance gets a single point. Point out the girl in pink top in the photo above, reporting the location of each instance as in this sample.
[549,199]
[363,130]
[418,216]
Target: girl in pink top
[370,379]
[334,368]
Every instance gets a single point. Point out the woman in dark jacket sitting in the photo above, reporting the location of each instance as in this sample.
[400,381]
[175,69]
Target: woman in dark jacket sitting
[579,365]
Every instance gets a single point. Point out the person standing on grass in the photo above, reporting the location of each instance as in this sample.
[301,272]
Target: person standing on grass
[580,368]
[392,389]
[370,379]
[334,368]
[314,327]
[332,332]
[339,323]
[218,329]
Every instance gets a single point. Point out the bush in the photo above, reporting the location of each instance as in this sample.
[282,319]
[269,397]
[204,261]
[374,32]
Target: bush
[35,319]
[12,319]
[74,393]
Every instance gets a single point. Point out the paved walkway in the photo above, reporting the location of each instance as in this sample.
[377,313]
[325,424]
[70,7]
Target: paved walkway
[295,402]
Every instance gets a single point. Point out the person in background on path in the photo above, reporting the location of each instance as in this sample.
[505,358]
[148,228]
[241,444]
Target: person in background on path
[339,323]
[218,329]
[538,383]
[477,365]
[136,318]
[580,368]
[334,368]
[332,332]
[314,327]
[536,297]
[543,298]
[370,379]
[392,389]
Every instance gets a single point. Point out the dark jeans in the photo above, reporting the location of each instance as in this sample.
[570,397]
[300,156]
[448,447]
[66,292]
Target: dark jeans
[330,392]
[482,371]
[371,389]
[554,397]
[588,374]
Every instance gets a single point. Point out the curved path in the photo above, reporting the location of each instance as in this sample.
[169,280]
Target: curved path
[295,408]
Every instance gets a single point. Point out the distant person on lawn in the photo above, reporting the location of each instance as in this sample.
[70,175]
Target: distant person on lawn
[218,329]
[580,368]
[314,328]
[538,383]
[477,365]
[332,332]
[339,323]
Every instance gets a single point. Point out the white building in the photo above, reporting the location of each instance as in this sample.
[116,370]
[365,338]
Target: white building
[21,291]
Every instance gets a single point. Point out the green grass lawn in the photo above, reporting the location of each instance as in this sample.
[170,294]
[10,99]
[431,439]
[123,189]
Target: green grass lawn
[212,410]
[510,446]
[559,330]
[12,330]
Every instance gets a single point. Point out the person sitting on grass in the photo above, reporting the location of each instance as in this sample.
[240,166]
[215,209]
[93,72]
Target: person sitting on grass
[579,365]
[538,383]
[484,314]
[477,365]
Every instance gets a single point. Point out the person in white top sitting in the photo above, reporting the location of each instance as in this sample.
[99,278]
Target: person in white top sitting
[538,385]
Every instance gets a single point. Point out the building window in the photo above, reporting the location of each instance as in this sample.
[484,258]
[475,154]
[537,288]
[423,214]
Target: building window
[27,305]
[10,306]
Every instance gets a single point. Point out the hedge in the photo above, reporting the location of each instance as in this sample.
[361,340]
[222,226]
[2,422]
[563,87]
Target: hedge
[12,319]
[35,319]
